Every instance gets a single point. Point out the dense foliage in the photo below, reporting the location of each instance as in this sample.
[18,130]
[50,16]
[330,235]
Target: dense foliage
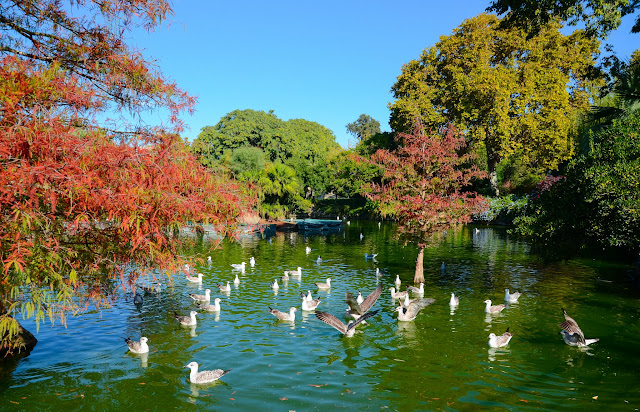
[82,204]
[597,204]
[364,127]
[513,96]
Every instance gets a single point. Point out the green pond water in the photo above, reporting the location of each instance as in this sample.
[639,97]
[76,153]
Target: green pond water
[440,361]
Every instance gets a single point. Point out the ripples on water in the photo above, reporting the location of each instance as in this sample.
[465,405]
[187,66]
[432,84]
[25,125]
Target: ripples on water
[439,361]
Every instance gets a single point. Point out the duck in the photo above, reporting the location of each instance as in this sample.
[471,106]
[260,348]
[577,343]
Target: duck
[324,285]
[186,320]
[499,341]
[511,297]
[347,330]
[493,309]
[204,376]
[291,316]
[201,298]
[572,334]
[138,347]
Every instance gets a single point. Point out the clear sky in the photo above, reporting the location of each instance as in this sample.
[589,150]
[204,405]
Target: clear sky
[326,62]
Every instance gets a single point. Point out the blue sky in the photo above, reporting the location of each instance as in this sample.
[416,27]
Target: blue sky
[326,62]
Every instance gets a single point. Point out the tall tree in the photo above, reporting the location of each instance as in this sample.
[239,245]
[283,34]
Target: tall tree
[600,17]
[423,184]
[81,203]
[510,94]
[364,127]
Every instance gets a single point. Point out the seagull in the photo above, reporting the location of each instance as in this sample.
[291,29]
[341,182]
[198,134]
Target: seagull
[202,298]
[511,297]
[477,231]
[572,334]
[319,260]
[398,282]
[209,259]
[211,308]
[347,330]
[138,347]
[309,304]
[368,256]
[397,295]
[204,376]
[361,236]
[454,301]
[379,223]
[349,222]
[295,273]
[252,261]
[493,309]
[187,268]
[224,288]
[285,277]
[308,250]
[417,291]
[291,316]
[238,266]
[236,281]
[381,272]
[499,341]
[309,297]
[195,279]
[186,320]
[274,284]
[359,299]
[356,310]
[407,313]
[323,285]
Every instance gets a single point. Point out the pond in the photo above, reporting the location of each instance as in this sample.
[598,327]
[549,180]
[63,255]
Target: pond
[440,361]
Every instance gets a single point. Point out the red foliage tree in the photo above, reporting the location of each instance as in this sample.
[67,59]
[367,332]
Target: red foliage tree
[424,184]
[83,202]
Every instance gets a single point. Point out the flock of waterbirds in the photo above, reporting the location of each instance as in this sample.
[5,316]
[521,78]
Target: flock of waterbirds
[358,308]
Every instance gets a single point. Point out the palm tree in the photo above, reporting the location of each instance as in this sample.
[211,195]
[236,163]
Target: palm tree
[625,98]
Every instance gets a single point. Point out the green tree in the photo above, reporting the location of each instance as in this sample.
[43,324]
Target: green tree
[247,163]
[597,204]
[364,127]
[625,97]
[281,189]
[600,17]
[508,93]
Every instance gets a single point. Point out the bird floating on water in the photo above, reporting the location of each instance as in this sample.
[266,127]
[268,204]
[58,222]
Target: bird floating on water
[408,312]
[194,279]
[295,273]
[204,376]
[137,299]
[236,281]
[309,304]
[357,310]
[239,266]
[361,236]
[359,299]
[511,297]
[224,288]
[153,289]
[274,284]
[493,309]
[309,296]
[138,347]
[308,250]
[252,261]
[347,330]
[201,298]
[324,285]
[211,308]
[397,295]
[572,334]
[186,320]
[209,259]
[499,341]
[417,290]
[368,256]
[291,316]
[319,260]
[454,301]
[398,282]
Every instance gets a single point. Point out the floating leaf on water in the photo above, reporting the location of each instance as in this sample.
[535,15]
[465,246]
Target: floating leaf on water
[283,399]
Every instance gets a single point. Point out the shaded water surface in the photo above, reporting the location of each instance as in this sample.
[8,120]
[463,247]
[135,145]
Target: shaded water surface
[441,361]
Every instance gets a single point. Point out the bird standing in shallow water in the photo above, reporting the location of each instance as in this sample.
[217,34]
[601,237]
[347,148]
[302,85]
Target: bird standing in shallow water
[204,376]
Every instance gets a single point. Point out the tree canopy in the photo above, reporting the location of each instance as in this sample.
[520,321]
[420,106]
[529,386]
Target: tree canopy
[364,127]
[511,95]
[85,207]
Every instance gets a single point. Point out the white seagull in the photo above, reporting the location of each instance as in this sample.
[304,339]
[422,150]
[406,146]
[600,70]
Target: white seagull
[324,285]
[252,261]
[417,291]
[499,341]
[138,347]
[572,334]
[407,313]
[357,310]
[493,309]
[204,376]
[274,284]
[224,288]
[319,260]
[454,301]
[211,308]
[201,298]
[309,304]
[291,316]
[238,266]
[397,295]
[398,282]
[309,296]
[186,320]
[347,330]
[511,297]
[236,281]
[194,279]
[359,299]
[361,236]
[308,250]
[209,259]
[294,273]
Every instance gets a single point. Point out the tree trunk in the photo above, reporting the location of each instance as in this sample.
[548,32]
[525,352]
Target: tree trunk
[418,277]
[492,166]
